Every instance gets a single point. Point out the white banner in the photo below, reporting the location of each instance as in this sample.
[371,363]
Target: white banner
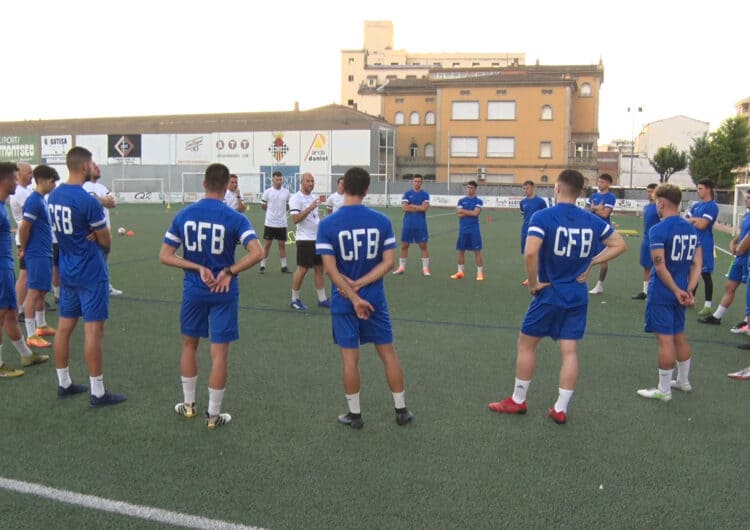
[193,149]
[234,149]
[54,148]
[97,144]
[276,148]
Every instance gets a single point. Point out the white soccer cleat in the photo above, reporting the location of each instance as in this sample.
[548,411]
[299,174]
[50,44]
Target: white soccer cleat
[597,290]
[682,387]
[742,375]
[655,393]
[114,292]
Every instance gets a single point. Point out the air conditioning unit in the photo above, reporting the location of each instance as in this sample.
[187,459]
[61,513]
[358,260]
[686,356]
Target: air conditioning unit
[481,173]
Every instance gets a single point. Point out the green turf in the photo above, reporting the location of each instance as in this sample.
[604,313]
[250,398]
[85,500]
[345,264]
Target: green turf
[284,462]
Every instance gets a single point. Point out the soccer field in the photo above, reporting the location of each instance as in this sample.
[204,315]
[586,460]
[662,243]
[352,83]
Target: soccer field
[285,463]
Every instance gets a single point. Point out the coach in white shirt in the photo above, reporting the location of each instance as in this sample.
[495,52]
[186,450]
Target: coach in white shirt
[233,196]
[275,202]
[23,190]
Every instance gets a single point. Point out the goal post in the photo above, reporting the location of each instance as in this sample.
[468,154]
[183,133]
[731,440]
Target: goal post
[738,208]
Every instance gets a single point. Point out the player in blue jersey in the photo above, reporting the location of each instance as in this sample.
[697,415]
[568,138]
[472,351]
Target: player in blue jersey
[739,247]
[469,235]
[358,248]
[209,231]
[8,305]
[650,218]
[563,243]
[415,203]
[529,204]
[602,203]
[35,246]
[702,215]
[677,256]
[82,237]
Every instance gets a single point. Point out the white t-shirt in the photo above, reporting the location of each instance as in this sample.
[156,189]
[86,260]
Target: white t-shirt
[16,205]
[335,201]
[307,229]
[275,201]
[230,198]
[98,190]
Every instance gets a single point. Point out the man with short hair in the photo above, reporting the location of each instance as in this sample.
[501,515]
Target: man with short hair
[17,199]
[233,196]
[563,243]
[415,203]
[702,215]
[676,251]
[303,206]
[650,218]
[83,237]
[35,238]
[469,235]
[336,199]
[209,231]
[530,203]
[602,203]
[275,202]
[358,249]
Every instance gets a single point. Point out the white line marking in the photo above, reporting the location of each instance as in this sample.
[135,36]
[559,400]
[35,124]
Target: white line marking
[724,251]
[118,507]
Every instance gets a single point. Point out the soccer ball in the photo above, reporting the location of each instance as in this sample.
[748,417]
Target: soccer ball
[121,231]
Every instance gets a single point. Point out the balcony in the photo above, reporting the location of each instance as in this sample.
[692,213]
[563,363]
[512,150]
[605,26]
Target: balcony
[414,161]
[578,163]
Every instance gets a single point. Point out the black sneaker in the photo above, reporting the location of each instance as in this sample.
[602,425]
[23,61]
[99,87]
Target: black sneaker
[352,420]
[262,269]
[107,399]
[72,390]
[639,296]
[710,319]
[403,416]
[285,270]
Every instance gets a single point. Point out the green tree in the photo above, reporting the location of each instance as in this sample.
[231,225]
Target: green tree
[700,163]
[667,161]
[719,154]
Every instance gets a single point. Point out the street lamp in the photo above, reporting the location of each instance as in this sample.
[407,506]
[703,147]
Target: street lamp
[632,139]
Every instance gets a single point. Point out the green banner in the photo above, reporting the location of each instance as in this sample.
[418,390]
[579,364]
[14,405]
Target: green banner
[23,148]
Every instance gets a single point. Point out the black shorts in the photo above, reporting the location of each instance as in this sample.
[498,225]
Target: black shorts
[21,261]
[271,232]
[55,254]
[306,256]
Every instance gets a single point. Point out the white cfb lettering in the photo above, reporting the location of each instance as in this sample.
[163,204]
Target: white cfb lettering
[198,236]
[62,218]
[683,247]
[566,239]
[352,241]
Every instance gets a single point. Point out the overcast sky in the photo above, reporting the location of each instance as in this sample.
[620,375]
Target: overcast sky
[82,58]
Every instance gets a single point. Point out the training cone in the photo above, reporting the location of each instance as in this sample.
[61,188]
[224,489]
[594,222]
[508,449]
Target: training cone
[489,218]
[130,233]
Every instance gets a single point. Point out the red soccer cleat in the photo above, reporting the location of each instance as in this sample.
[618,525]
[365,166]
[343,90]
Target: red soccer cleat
[558,417]
[508,406]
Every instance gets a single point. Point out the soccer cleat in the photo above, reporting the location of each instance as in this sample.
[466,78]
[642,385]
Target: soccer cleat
[710,319]
[459,275]
[325,303]
[508,406]
[45,331]
[558,417]
[404,416]
[72,390]
[426,272]
[34,358]
[597,290]
[682,387]
[107,399]
[285,270]
[741,327]
[7,371]
[525,283]
[742,375]
[21,318]
[480,276]
[298,305]
[655,393]
[400,270]
[212,422]
[49,307]
[114,292]
[35,341]
[706,311]
[262,269]
[353,421]
[186,410]
[639,296]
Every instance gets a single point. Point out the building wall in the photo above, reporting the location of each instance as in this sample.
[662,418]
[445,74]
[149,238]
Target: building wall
[678,130]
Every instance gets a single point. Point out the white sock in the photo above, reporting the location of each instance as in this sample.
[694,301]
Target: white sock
[295,295]
[56,291]
[97,385]
[683,371]
[188,388]
[41,318]
[283,262]
[30,326]
[402,262]
[563,398]
[21,347]
[321,294]
[215,397]
[665,381]
[263,262]
[480,269]
[63,377]
[519,392]
[720,312]
[1,353]
[460,268]
[600,284]
[399,399]
[352,401]
[707,304]
[645,287]
[425,263]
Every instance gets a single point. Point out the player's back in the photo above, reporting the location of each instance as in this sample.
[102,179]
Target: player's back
[679,239]
[40,236]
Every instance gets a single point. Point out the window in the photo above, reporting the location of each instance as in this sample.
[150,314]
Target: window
[429,118]
[586,90]
[429,150]
[414,118]
[501,92]
[351,60]
[413,150]
[474,64]
[429,100]
[456,65]
[399,100]
[545,178]
[501,147]
[398,119]
[584,150]
[465,92]
[547,91]
[350,102]
[501,110]
[371,81]
[350,78]
[465,110]
[546,112]
[545,150]
[464,146]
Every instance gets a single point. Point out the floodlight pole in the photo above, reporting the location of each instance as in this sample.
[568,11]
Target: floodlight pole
[632,110]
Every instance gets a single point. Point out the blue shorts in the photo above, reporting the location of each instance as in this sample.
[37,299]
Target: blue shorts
[664,319]
[89,301]
[546,320]
[738,270]
[708,260]
[8,290]
[217,312]
[523,240]
[39,273]
[646,261]
[349,331]
[469,240]
[414,235]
